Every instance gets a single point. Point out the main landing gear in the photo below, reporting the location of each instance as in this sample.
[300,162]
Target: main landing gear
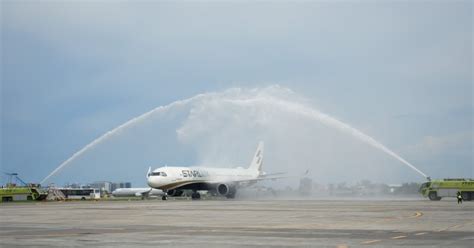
[195,195]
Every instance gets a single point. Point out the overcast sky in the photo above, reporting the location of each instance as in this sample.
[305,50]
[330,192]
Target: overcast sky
[400,71]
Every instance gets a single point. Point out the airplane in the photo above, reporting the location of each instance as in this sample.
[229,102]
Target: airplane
[141,192]
[218,181]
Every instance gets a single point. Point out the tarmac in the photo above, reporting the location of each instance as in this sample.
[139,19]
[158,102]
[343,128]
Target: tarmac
[236,223]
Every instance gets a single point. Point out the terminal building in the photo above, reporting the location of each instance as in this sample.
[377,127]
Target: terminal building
[103,186]
[115,186]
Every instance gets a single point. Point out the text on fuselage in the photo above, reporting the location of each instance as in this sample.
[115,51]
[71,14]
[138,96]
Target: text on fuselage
[193,173]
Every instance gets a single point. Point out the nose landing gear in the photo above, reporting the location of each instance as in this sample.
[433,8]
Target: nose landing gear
[165,196]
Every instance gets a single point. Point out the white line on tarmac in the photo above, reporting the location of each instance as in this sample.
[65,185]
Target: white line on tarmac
[399,237]
[370,241]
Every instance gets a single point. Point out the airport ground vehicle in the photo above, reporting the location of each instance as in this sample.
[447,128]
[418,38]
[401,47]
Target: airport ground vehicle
[21,193]
[437,189]
[80,194]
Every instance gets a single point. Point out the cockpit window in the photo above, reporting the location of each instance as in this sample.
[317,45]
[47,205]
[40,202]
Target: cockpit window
[159,173]
[424,186]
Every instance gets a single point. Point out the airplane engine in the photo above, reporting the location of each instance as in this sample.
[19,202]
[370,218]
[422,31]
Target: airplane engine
[226,190]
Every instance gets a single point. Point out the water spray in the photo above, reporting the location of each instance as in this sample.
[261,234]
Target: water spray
[115,131]
[249,98]
[330,122]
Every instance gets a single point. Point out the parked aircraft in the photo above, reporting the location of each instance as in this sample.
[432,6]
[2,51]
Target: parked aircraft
[140,192]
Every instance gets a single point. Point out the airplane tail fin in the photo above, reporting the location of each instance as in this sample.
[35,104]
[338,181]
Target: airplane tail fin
[257,160]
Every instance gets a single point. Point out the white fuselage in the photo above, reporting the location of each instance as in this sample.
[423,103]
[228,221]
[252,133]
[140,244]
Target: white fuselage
[167,178]
[224,180]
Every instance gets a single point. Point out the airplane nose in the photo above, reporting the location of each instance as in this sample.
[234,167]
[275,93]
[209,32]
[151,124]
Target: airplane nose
[152,181]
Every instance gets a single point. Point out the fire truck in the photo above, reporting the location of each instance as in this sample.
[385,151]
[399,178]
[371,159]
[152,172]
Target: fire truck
[29,192]
[437,189]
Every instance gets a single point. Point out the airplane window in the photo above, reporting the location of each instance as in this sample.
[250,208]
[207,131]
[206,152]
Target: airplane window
[163,174]
[155,173]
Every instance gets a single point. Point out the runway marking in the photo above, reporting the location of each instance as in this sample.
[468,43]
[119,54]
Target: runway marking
[393,218]
[416,215]
[399,237]
[342,246]
[418,234]
[449,227]
[370,241]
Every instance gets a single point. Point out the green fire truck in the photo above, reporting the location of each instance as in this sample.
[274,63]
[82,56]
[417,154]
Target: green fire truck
[437,189]
[21,193]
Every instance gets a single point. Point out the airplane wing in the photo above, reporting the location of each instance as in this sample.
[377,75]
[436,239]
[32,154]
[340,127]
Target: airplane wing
[271,176]
[144,193]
